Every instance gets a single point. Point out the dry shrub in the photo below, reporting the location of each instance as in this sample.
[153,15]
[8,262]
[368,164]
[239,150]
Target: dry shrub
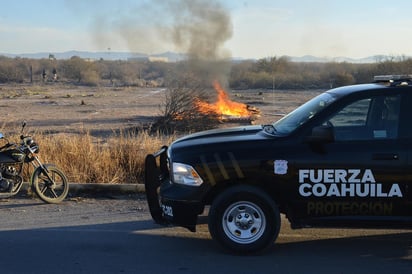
[118,159]
[180,112]
[90,77]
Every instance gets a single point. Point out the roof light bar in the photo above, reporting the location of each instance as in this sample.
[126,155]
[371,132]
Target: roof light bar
[392,78]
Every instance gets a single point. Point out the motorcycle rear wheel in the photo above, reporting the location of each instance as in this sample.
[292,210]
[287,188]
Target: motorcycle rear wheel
[50,184]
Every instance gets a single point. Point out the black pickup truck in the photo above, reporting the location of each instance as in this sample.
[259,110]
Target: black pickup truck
[343,159]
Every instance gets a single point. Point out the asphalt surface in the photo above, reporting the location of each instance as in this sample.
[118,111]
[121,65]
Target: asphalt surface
[112,234]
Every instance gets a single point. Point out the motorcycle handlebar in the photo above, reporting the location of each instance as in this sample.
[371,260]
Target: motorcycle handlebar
[6,146]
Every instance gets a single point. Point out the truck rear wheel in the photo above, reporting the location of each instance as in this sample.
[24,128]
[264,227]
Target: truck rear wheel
[244,219]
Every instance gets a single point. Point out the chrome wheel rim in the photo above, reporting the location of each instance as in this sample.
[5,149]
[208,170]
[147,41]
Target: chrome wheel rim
[244,222]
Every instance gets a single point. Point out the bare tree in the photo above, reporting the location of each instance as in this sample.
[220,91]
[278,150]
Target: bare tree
[180,111]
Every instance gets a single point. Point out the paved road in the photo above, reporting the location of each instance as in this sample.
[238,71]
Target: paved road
[116,235]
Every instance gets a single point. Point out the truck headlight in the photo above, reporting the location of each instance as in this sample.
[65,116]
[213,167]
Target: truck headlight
[186,175]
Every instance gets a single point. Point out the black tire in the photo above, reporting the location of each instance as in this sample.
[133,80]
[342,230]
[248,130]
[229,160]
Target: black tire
[50,191]
[258,220]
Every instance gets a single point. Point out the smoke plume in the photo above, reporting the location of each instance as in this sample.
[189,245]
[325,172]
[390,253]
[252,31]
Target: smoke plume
[197,28]
[200,29]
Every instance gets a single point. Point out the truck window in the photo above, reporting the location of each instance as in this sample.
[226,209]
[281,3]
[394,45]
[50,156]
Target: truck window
[368,119]
[303,113]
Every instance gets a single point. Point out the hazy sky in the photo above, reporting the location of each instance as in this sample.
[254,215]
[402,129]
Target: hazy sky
[250,28]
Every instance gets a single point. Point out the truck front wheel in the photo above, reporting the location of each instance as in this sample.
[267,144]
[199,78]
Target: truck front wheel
[244,219]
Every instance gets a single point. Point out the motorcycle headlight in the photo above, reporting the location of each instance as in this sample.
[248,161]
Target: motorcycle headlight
[185,175]
[35,147]
[28,141]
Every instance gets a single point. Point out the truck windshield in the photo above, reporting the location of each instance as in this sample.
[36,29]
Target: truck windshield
[305,112]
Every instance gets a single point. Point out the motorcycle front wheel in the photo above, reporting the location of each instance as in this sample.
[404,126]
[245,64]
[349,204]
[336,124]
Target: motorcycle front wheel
[50,184]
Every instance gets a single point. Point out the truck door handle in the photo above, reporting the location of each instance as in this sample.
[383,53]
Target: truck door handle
[385,156]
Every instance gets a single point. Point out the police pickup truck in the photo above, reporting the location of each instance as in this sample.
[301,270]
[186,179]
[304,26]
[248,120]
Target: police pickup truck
[343,159]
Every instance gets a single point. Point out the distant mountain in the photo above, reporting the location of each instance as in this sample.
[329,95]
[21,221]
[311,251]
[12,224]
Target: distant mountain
[369,59]
[174,57]
[105,55]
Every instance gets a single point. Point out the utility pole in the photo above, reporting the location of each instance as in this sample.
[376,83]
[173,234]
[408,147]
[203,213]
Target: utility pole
[31,74]
[273,90]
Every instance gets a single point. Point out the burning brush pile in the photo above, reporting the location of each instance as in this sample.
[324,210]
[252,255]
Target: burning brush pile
[185,111]
[227,110]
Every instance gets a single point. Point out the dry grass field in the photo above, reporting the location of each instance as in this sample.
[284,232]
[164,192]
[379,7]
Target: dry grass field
[90,132]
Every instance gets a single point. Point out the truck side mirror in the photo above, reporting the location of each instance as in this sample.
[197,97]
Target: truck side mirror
[321,134]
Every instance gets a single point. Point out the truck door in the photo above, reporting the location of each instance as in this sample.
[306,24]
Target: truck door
[361,173]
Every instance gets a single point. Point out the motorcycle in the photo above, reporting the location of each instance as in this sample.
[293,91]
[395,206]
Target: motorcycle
[47,181]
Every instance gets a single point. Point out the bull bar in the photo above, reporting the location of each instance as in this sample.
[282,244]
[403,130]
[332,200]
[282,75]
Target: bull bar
[154,175]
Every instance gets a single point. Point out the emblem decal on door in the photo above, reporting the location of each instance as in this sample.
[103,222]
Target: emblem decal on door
[281,167]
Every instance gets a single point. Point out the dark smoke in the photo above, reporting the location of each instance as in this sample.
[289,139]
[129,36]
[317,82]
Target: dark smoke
[200,28]
[196,28]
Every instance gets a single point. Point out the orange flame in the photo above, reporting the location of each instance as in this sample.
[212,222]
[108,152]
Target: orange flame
[223,105]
